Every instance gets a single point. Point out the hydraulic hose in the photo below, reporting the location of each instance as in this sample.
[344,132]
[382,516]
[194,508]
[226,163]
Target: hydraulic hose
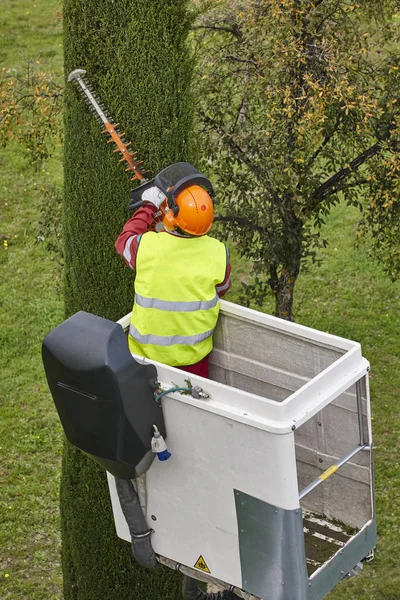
[174,389]
[192,591]
[140,534]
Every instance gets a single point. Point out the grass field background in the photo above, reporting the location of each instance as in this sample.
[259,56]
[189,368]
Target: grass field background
[348,295]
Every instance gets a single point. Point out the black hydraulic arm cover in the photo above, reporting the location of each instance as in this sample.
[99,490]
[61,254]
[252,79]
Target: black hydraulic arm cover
[104,398]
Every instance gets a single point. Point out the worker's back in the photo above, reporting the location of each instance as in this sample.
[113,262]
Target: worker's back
[176,303]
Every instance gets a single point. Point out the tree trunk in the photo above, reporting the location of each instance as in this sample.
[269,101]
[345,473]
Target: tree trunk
[282,280]
[283,293]
[137,59]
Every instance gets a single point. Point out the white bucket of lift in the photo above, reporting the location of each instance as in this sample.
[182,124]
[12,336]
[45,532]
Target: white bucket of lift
[239,500]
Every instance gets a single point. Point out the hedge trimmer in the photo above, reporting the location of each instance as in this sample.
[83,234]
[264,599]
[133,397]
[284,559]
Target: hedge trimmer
[166,180]
[98,109]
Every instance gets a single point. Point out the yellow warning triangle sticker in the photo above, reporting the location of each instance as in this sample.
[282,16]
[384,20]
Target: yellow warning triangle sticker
[202,565]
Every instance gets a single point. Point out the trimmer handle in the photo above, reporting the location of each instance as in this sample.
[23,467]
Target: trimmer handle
[136,194]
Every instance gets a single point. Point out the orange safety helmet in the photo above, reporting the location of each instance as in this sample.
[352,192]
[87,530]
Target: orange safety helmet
[193,211]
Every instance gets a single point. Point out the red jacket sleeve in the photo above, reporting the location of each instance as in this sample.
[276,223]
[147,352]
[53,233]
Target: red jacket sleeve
[128,240]
[226,284]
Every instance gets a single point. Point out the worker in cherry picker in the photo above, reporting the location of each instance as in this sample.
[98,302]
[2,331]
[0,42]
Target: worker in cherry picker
[181,273]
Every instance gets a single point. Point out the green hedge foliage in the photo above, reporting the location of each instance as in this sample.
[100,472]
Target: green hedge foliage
[137,59]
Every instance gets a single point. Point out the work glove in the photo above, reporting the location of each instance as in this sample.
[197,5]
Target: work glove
[154,195]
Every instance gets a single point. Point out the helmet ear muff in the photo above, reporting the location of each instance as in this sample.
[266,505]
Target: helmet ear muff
[174,207]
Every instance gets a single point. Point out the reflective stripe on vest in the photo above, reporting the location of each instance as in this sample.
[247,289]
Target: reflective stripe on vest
[176,305]
[169,305]
[161,340]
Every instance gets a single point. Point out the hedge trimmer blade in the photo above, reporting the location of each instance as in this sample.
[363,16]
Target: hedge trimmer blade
[109,127]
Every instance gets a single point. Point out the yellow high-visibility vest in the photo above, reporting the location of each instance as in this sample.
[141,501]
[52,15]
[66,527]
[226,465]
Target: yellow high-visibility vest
[176,304]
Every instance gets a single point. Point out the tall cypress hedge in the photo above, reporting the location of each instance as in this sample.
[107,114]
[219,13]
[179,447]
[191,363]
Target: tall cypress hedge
[136,56]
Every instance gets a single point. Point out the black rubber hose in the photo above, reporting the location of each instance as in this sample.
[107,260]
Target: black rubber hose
[140,534]
[192,591]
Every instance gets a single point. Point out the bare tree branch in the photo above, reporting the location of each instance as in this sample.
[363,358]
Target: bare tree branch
[241,221]
[335,180]
[232,30]
[317,3]
[325,141]
[241,60]
[326,17]
[354,184]
[259,173]
[242,113]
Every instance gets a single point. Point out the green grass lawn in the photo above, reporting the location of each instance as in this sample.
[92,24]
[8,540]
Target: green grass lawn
[349,295]
[31,305]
